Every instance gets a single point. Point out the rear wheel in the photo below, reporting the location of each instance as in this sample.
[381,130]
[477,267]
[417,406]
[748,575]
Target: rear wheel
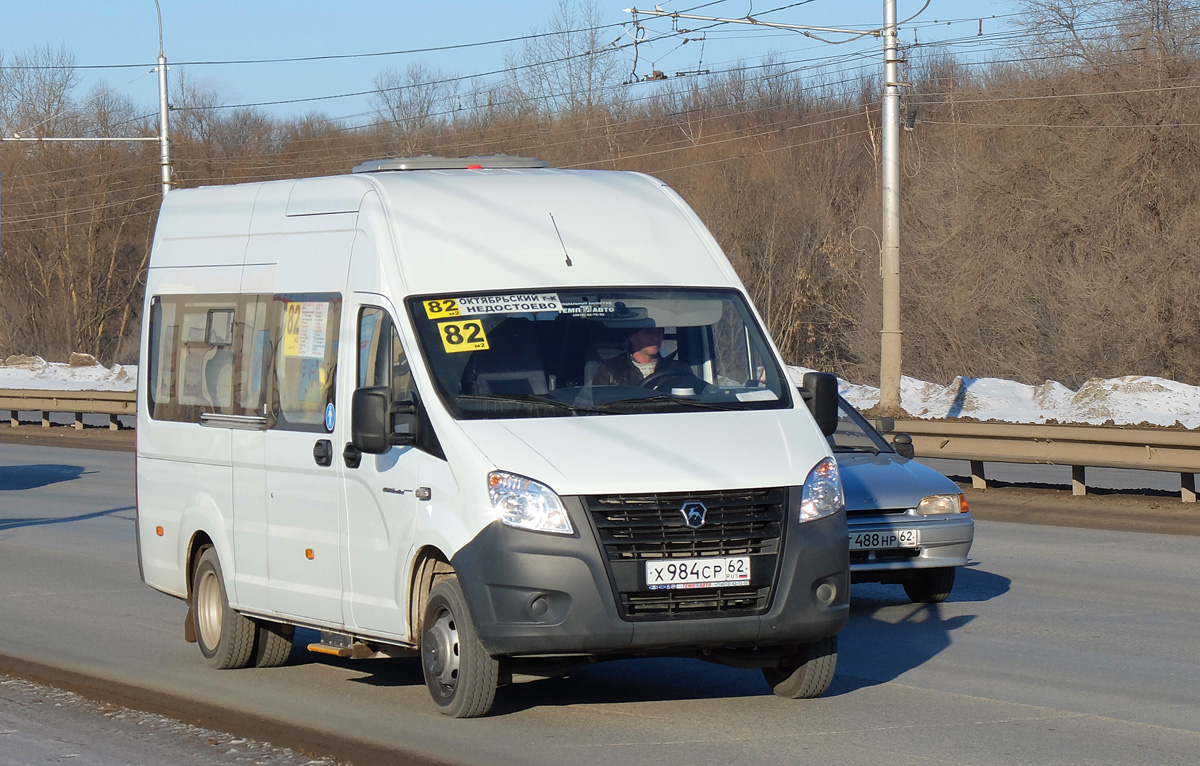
[272,643]
[225,638]
[930,586]
[806,671]
[460,674]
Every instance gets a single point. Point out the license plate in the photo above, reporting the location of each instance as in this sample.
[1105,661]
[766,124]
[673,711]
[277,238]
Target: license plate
[697,573]
[892,538]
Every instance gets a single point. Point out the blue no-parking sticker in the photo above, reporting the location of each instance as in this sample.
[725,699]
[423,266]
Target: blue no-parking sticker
[329,417]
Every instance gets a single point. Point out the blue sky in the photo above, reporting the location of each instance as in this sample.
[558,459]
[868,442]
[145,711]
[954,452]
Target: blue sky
[125,32]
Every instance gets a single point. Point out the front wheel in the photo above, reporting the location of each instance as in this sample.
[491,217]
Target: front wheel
[225,638]
[930,586]
[460,674]
[806,671]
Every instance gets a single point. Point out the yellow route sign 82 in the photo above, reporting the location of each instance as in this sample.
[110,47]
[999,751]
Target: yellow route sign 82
[465,335]
[437,309]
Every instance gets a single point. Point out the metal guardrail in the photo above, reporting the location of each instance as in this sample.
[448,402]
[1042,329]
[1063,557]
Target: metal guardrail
[1080,447]
[78,403]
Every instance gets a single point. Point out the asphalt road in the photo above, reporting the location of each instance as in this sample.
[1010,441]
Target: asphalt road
[1059,645]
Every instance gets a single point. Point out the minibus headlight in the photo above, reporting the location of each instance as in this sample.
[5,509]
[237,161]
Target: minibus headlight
[936,505]
[822,493]
[526,504]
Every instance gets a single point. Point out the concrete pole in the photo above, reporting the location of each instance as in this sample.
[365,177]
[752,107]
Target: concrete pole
[889,363]
[163,143]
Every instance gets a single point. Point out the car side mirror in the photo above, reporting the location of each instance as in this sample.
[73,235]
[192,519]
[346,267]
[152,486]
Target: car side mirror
[822,400]
[376,423]
[903,445]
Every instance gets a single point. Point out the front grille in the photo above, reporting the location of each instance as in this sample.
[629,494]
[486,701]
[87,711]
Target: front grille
[875,512]
[637,528]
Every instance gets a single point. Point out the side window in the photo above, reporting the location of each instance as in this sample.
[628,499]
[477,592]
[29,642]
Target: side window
[201,357]
[381,357]
[305,339]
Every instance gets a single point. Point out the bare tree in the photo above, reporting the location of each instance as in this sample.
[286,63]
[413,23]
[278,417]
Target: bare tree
[414,103]
[570,66]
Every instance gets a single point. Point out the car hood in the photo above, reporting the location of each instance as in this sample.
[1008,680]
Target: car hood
[888,481]
[669,452]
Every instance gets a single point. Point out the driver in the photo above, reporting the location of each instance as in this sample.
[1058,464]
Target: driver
[640,361]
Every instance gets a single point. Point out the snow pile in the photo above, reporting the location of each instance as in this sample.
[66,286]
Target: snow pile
[1129,400]
[83,373]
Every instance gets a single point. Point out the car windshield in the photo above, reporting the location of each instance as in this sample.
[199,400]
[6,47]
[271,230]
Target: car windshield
[561,353]
[854,433]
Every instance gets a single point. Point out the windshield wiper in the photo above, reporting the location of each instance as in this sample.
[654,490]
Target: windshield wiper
[530,399]
[623,404]
[871,450]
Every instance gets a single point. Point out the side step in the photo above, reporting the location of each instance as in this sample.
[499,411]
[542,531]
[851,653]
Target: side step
[341,645]
[346,646]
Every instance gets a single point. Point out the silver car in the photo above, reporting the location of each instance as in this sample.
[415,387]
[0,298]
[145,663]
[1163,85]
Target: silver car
[908,523]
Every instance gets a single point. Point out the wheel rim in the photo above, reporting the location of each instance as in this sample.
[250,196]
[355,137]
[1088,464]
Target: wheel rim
[439,650]
[208,609]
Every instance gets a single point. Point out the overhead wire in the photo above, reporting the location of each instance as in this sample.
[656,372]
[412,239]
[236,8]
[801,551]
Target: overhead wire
[1004,38]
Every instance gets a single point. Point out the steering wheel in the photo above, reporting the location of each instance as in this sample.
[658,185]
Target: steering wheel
[668,379]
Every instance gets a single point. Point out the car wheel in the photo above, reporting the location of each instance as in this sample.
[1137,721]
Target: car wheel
[805,671]
[460,674]
[930,586]
[272,643]
[225,638]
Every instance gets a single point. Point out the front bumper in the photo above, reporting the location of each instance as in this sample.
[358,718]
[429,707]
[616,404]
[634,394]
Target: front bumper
[544,594]
[944,542]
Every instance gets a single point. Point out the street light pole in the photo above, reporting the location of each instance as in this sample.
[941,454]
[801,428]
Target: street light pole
[163,143]
[889,361]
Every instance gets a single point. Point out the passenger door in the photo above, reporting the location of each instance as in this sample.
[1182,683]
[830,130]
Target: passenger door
[380,490]
[304,533]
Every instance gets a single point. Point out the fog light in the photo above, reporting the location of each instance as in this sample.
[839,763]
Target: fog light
[826,593]
[539,607]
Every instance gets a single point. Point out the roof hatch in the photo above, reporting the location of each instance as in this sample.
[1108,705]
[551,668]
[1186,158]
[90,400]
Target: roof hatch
[429,162]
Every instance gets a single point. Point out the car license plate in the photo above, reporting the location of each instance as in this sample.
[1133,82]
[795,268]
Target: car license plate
[666,574]
[892,538]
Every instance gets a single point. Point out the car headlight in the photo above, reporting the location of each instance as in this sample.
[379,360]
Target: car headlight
[822,493]
[936,505]
[527,504]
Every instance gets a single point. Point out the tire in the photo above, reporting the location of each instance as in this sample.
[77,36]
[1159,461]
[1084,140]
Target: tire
[930,586]
[806,671]
[459,673]
[272,643]
[225,638]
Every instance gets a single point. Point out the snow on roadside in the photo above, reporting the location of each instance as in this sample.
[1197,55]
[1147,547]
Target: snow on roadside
[33,373]
[1128,400]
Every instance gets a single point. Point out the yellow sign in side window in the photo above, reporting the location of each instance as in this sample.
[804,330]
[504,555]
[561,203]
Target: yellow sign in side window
[291,330]
[467,335]
[437,309]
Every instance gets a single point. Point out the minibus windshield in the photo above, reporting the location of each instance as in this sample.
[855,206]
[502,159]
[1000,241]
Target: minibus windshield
[571,352]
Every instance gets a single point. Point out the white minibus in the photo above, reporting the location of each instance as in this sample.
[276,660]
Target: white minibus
[497,416]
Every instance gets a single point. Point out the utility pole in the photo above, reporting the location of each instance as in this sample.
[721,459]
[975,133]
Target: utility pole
[164,146]
[161,138]
[889,356]
[889,256]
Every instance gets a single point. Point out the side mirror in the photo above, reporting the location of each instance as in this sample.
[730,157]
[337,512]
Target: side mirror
[822,400]
[369,429]
[376,423]
[885,425]
[903,445]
